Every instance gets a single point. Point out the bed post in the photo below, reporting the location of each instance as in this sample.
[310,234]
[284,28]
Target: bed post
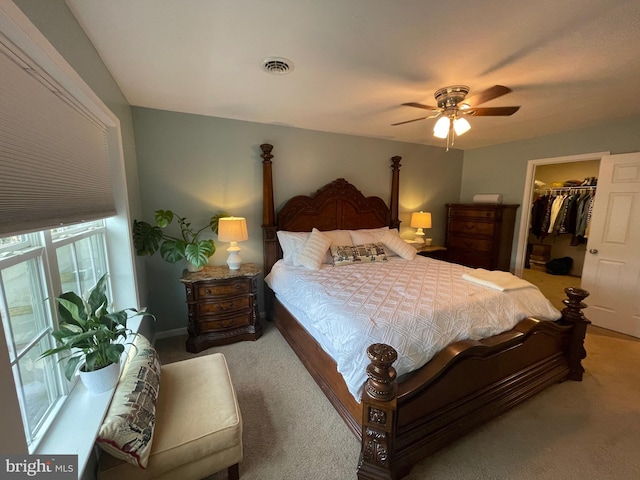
[379,404]
[269,243]
[395,192]
[572,314]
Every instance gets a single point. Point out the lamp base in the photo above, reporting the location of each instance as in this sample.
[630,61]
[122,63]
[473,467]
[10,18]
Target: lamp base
[233,260]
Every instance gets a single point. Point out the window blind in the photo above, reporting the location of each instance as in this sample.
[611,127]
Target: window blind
[54,163]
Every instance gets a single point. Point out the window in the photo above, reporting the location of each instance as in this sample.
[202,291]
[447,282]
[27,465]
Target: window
[34,268]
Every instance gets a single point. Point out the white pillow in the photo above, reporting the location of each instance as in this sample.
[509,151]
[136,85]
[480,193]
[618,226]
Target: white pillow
[367,233]
[392,240]
[315,250]
[292,243]
[370,235]
[337,237]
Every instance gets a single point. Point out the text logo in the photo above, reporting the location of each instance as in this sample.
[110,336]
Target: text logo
[50,467]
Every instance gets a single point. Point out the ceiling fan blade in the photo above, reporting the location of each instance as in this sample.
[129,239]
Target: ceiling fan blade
[488,94]
[420,105]
[409,121]
[491,111]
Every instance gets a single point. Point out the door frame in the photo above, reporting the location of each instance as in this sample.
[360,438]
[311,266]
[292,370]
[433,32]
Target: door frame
[527,200]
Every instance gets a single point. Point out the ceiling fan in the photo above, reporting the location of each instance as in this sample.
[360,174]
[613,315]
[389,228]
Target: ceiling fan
[453,106]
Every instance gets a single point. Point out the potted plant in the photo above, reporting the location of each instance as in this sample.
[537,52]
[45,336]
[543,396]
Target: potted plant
[94,336]
[147,239]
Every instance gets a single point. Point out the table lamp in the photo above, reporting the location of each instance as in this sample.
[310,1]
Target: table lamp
[233,230]
[420,220]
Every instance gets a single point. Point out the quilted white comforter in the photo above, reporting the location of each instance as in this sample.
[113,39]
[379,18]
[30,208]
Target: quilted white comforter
[418,307]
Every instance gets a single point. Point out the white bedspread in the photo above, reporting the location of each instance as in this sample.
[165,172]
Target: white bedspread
[418,307]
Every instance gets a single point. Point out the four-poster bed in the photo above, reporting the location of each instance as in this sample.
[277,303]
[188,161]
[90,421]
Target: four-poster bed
[401,421]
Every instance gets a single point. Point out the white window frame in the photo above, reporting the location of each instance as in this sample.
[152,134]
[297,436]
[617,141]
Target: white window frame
[42,247]
[76,426]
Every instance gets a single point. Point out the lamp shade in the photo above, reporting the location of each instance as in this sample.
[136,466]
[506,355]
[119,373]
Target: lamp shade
[421,220]
[232,229]
[461,125]
[441,128]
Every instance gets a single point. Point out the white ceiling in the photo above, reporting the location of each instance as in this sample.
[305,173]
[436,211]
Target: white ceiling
[570,63]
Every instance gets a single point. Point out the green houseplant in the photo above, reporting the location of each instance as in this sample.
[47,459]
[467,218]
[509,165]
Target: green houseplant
[94,336]
[147,239]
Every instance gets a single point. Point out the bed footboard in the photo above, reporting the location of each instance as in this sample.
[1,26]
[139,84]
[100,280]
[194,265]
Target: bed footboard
[466,385]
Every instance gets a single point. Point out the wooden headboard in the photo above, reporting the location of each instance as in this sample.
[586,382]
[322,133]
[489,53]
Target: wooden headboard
[337,205]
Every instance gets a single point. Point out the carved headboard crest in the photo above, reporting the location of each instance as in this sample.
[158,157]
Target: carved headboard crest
[337,205]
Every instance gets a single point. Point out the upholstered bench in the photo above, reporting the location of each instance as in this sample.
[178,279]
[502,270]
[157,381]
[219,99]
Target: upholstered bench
[198,426]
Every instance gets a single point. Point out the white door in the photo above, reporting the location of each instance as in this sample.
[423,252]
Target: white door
[612,264]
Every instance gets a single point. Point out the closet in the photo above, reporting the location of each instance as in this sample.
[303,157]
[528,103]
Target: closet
[560,213]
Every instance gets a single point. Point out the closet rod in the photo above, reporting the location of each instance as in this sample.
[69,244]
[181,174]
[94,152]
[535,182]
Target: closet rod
[568,189]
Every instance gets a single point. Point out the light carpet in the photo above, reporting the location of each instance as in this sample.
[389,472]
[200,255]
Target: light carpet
[573,430]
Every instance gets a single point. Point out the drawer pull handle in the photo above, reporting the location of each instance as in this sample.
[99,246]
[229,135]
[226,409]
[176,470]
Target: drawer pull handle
[223,307]
[469,227]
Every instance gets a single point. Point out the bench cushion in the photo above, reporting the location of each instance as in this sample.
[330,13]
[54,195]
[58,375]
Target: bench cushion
[198,424]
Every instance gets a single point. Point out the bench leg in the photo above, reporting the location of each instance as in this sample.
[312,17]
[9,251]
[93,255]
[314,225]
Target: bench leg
[233,472]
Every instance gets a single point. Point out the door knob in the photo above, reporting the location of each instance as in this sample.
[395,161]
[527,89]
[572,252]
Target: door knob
[593,251]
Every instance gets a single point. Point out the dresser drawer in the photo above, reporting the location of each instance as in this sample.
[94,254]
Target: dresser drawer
[222,306]
[460,212]
[471,244]
[222,289]
[463,226]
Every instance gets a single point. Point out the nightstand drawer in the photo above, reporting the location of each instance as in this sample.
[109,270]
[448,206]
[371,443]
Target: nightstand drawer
[223,289]
[234,321]
[222,306]
[471,227]
[471,244]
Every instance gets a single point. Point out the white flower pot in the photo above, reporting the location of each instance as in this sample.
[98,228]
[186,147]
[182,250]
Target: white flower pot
[100,381]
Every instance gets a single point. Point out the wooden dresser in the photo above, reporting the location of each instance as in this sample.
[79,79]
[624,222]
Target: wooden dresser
[480,234]
[223,306]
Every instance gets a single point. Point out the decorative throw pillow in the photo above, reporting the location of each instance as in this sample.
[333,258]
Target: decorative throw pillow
[392,240]
[314,250]
[292,244]
[366,253]
[127,430]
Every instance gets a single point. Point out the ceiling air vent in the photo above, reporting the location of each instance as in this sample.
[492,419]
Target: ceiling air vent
[277,65]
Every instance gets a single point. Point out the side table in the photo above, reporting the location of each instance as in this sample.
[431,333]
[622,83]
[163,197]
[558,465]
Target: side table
[223,306]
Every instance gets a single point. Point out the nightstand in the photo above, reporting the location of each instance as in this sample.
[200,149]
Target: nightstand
[223,306]
[433,251]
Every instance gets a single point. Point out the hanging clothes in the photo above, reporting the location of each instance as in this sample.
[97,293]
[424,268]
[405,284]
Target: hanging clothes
[538,211]
[585,207]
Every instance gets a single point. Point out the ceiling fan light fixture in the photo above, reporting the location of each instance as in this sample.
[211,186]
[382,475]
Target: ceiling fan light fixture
[441,128]
[461,126]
